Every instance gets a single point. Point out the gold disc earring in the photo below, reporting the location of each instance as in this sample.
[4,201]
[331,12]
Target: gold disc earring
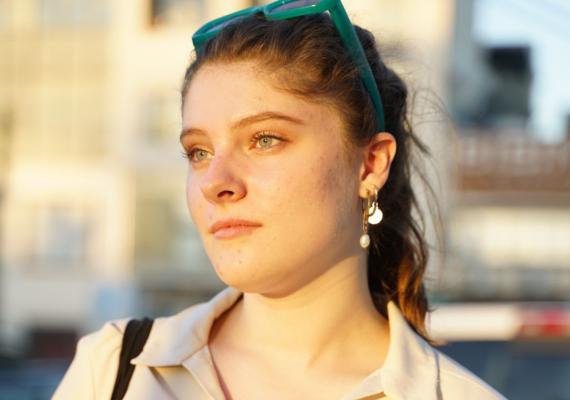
[371,214]
[375,215]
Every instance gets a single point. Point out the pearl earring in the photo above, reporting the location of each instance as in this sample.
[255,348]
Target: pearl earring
[371,214]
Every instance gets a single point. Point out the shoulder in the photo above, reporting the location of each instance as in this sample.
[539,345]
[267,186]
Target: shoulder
[457,382]
[108,337]
[416,369]
[93,368]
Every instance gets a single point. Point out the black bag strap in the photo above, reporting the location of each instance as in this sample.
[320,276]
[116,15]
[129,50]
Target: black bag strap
[134,338]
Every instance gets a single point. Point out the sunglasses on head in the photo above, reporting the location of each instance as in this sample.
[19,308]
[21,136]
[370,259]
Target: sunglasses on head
[286,9]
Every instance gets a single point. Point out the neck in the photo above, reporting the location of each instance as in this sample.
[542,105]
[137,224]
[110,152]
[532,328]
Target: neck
[325,321]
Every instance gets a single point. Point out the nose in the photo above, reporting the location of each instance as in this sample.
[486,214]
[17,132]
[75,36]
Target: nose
[222,183]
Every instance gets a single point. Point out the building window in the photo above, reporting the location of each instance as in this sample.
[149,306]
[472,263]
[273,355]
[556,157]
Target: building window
[53,236]
[176,13]
[164,232]
[511,76]
[161,116]
[73,13]
[6,132]
[154,230]
[63,237]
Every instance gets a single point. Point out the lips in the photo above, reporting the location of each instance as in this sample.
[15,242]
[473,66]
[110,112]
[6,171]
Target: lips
[232,227]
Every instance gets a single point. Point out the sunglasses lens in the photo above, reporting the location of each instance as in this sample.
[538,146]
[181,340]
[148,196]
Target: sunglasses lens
[294,4]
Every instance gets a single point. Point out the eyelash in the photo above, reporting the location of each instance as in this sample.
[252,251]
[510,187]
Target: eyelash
[255,138]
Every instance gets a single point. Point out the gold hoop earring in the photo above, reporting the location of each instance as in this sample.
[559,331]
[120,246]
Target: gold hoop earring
[371,214]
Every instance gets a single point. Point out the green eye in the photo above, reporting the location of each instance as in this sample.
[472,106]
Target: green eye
[199,154]
[195,155]
[264,140]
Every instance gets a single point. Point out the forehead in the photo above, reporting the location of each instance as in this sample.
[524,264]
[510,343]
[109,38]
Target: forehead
[222,92]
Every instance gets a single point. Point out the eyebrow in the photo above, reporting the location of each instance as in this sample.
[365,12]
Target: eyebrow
[251,119]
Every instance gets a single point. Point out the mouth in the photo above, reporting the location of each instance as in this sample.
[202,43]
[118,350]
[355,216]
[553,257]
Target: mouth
[232,228]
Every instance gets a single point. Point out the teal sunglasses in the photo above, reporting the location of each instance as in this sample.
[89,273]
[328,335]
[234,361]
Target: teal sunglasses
[285,9]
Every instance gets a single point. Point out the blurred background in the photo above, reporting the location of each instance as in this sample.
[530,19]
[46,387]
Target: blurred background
[93,219]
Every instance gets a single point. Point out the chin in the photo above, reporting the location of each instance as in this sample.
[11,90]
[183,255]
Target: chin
[248,277]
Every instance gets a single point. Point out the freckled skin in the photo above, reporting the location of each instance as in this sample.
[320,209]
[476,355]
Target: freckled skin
[303,193]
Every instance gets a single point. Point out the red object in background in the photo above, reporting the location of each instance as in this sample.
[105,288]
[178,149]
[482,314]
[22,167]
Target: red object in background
[546,322]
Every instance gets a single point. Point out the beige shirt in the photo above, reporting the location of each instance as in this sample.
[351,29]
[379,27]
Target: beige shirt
[176,363]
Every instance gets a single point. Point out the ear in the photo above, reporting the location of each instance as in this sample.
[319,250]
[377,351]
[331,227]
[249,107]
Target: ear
[378,155]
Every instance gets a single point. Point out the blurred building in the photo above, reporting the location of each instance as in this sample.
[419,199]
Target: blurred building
[509,227]
[93,219]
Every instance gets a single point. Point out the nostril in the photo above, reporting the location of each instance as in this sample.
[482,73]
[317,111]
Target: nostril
[223,188]
[225,193]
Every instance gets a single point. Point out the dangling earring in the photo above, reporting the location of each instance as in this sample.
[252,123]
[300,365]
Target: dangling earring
[371,214]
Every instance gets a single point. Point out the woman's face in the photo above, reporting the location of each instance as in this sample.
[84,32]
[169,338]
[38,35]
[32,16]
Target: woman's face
[262,155]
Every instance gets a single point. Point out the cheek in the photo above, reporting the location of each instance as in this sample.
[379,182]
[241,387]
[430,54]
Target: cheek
[194,201]
[337,189]
[335,177]
[324,192]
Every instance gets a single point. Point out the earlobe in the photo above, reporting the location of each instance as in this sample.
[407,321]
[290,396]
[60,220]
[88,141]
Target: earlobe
[370,185]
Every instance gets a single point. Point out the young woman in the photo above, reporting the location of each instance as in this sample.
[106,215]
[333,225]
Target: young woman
[298,142]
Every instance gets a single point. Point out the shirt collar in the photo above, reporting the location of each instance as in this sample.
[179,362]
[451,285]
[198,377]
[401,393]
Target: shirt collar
[174,339]
[411,368]
[410,371]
